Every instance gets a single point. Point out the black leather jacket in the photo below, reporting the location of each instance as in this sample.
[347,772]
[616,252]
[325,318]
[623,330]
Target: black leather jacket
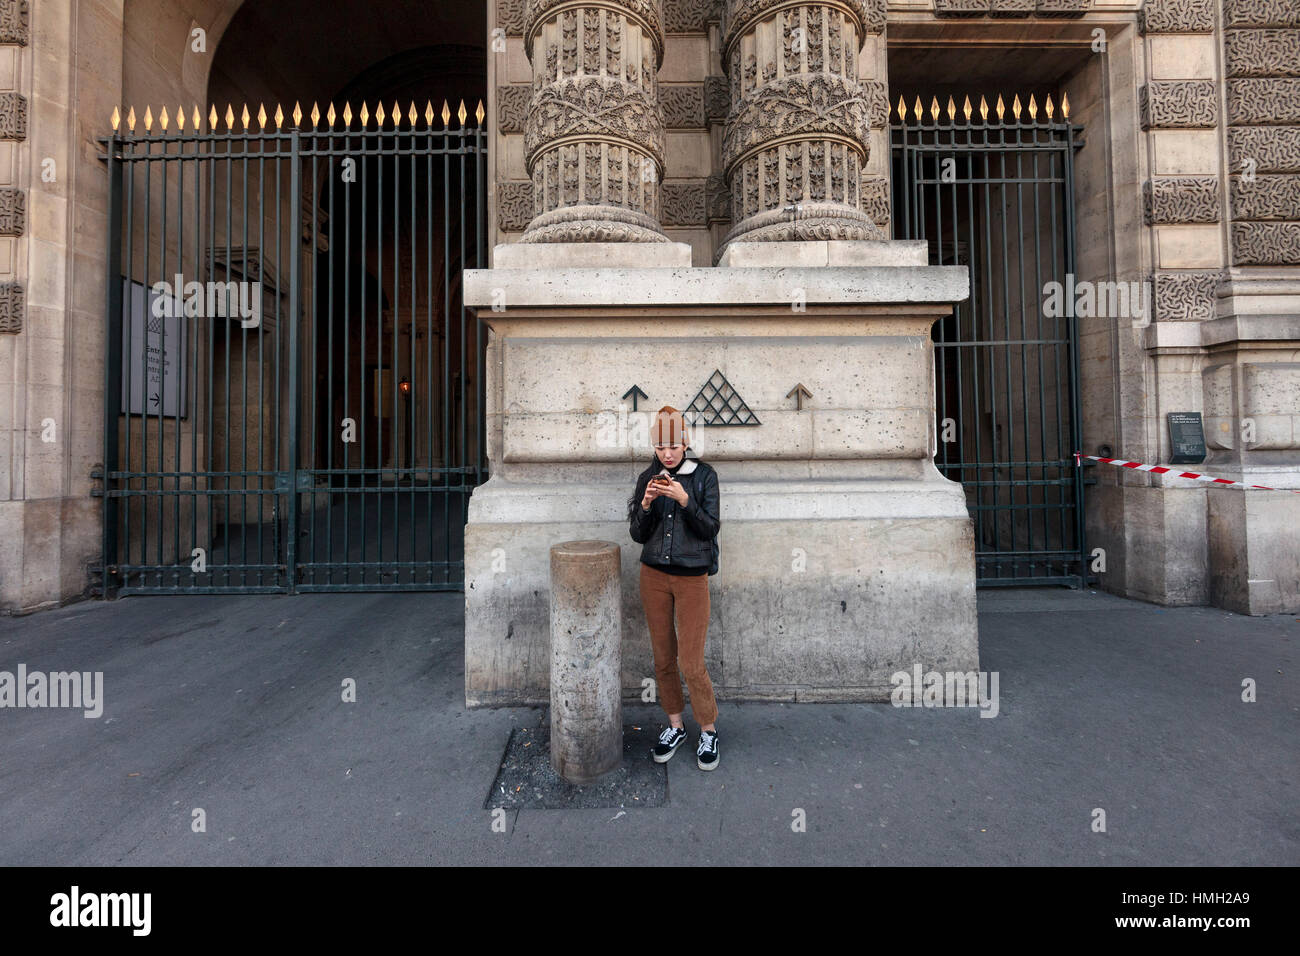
[672,534]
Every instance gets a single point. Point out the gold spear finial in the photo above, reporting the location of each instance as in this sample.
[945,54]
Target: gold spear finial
[1048,108]
[261,116]
[934,108]
[1000,108]
[461,114]
[130,119]
[180,119]
[1015,108]
[479,113]
[163,119]
[902,108]
[413,116]
[428,113]
[952,110]
[115,119]
[347,114]
[364,115]
[984,108]
[446,113]
[244,117]
[966,109]
[212,118]
[148,120]
[198,118]
[315,114]
[919,110]
[279,117]
[230,117]
[1065,105]
[397,114]
[297,114]
[1033,108]
[379,113]
[330,115]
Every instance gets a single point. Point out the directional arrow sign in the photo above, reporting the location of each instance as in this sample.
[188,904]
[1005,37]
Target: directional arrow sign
[154,399]
[799,393]
[634,391]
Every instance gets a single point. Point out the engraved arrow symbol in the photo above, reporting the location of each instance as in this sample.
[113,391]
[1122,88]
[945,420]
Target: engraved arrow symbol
[799,393]
[634,391]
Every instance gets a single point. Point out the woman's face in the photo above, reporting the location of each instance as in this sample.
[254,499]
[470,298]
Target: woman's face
[670,455]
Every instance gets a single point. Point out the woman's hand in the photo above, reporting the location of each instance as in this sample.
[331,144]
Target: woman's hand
[652,491]
[676,492]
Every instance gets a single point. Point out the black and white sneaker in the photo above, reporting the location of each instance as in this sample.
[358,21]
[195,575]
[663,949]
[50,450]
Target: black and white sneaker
[706,755]
[669,741]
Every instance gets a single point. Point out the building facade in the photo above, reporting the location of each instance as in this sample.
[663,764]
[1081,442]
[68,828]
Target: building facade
[1120,179]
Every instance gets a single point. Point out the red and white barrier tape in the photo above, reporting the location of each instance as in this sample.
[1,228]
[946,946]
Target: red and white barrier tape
[1165,470]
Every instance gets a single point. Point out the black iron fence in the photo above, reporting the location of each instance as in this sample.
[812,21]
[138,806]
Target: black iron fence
[991,188]
[294,395]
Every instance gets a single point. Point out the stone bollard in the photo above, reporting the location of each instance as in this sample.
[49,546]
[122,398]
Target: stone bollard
[586,660]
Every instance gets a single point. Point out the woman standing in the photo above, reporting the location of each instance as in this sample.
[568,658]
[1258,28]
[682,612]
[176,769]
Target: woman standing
[673,514]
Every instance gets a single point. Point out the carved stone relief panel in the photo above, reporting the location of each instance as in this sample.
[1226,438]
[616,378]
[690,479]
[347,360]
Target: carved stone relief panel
[1181,200]
[1179,104]
[685,203]
[683,105]
[12,298]
[15,21]
[1185,296]
[1261,13]
[514,205]
[1264,149]
[1264,101]
[1177,16]
[1266,243]
[13,212]
[512,108]
[1265,197]
[510,16]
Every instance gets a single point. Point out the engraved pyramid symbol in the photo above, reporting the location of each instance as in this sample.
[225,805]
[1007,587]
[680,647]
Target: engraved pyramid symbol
[717,403]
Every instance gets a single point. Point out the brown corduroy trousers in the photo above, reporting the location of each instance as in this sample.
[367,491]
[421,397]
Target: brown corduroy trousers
[662,594]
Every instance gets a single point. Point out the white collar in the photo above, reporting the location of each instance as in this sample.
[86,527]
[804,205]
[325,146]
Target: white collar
[687,467]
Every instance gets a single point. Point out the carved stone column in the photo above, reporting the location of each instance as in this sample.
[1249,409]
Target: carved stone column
[593,141]
[796,141]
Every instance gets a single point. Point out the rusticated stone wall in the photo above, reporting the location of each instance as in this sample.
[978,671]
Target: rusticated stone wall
[796,138]
[1261,46]
[593,128]
[14,29]
[1179,109]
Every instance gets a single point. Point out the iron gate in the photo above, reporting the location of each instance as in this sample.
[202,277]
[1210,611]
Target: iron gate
[294,396]
[994,193]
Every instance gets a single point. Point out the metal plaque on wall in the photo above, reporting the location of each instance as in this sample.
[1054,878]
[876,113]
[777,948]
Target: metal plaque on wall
[1187,438]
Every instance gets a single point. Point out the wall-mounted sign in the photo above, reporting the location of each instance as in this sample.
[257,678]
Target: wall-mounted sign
[153,354]
[1187,438]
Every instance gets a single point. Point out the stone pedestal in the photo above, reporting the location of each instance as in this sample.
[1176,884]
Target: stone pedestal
[845,555]
[586,698]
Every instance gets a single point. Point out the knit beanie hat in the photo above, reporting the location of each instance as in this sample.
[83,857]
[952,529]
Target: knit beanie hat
[669,427]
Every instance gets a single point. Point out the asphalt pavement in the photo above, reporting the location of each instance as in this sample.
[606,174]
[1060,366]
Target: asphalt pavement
[233,706]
